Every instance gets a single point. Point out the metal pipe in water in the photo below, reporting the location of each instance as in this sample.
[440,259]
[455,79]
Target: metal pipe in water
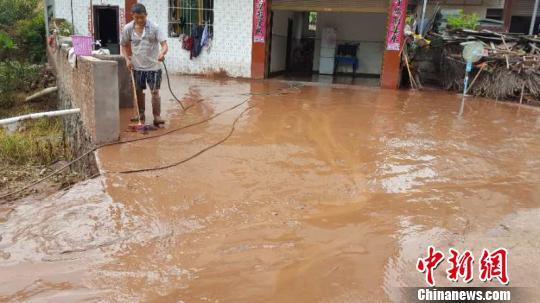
[421,31]
[533,17]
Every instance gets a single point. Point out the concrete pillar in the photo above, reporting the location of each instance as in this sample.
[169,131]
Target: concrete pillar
[105,101]
[128,4]
[507,14]
[261,13]
[391,69]
[125,89]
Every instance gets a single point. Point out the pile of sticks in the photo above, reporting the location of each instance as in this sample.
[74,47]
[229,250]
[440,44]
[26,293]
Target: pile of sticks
[509,70]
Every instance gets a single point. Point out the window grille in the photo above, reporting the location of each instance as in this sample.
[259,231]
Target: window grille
[185,14]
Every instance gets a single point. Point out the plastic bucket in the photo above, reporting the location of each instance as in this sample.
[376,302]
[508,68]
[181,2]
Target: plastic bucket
[82,45]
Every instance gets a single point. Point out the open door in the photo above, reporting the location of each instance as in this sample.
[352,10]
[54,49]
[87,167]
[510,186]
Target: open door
[106,27]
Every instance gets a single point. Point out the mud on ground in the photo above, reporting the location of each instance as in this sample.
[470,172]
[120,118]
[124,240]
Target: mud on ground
[319,195]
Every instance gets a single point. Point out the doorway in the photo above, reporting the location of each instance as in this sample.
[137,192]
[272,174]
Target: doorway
[282,38]
[327,47]
[292,44]
[106,27]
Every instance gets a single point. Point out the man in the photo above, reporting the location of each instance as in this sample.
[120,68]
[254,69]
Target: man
[141,41]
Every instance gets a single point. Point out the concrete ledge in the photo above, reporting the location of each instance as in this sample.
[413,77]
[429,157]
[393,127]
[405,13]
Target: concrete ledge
[125,88]
[106,100]
[93,86]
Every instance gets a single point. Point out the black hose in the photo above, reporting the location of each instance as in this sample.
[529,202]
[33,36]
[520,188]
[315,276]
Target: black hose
[169,85]
[277,92]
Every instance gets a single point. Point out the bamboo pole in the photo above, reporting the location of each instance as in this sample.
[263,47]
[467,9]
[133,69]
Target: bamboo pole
[411,78]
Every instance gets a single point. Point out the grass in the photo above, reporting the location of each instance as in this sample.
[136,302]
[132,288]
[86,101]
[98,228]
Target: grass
[36,142]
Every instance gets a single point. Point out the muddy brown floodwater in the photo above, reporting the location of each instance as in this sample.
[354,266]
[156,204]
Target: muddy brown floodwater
[321,194]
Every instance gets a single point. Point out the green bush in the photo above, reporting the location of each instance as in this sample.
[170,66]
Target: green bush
[16,76]
[64,28]
[5,41]
[31,37]
[12,11]
[462,20]
[22,30]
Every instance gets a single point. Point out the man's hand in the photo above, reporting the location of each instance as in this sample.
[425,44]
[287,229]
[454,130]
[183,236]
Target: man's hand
[164,50]
[129,64]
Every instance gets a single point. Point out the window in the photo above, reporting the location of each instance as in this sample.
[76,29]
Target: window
[185,14]
[312,21]
[494,13]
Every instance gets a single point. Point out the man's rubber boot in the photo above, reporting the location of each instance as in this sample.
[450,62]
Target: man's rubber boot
[141,98]
[156,110]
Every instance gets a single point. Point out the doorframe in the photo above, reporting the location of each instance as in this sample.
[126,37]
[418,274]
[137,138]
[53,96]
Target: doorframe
[95,17]
[268,51]
[290,24]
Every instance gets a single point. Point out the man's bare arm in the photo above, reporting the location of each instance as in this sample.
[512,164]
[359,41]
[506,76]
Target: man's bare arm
[164,50]
[126,52]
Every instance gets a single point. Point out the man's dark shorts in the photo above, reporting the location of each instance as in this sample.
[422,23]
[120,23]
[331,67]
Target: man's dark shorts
[153,78]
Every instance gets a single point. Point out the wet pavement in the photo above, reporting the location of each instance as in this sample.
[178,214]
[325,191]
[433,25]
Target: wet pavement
[320,194]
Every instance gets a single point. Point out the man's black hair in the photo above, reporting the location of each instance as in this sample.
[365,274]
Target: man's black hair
[138,9]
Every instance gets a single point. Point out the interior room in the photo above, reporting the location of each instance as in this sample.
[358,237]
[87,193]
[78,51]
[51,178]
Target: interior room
[332,47]
[106,27]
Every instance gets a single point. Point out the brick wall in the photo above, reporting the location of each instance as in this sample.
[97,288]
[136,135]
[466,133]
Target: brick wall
[93,87]
[231,47]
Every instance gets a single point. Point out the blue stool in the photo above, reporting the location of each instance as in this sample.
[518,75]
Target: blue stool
[347,60]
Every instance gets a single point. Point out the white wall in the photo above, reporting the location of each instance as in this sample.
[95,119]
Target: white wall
[368,29]
[62,9]
[278,52]
[231,46]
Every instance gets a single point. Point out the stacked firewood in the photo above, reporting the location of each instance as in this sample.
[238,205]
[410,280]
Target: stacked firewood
[509,69]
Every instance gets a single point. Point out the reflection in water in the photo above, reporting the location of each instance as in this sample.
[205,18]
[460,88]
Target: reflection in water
[462,106]
[321,194]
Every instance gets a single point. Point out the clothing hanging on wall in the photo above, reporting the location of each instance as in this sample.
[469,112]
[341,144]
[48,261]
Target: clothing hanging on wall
[187,42]
[196,34]
[204,39]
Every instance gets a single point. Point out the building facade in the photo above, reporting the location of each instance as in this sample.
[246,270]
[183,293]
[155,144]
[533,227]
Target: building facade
[241,30]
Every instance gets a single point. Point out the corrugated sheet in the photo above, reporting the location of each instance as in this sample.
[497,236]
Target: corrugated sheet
[522,7]
[376,6]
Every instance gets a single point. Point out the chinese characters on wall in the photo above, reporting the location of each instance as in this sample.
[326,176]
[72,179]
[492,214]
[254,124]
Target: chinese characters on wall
[396,24]
[122,19]
[259,22]
[90,22]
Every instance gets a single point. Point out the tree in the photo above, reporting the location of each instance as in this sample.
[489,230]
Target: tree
[22,30]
